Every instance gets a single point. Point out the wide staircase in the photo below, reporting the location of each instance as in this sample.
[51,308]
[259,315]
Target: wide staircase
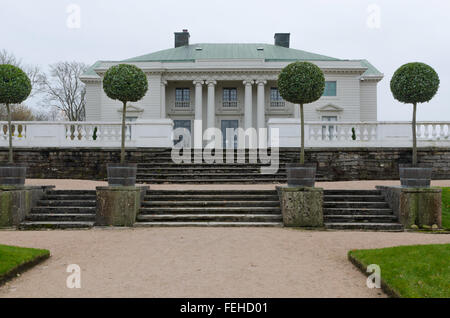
[63,209]
[157,167]
[358,210]
[210,208]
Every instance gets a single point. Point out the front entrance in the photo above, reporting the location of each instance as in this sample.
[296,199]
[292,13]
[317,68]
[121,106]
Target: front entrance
[229,125]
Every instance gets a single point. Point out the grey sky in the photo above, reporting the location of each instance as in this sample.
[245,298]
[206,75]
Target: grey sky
[410,30]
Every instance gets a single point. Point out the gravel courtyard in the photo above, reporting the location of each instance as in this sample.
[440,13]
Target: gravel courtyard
[201,262]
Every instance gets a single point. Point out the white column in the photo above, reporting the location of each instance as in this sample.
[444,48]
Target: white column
[211,106]
[248,104]
[198,125]
[261,119]
[163,99]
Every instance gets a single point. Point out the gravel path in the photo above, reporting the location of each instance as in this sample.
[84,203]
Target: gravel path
[65,184]
[201,262]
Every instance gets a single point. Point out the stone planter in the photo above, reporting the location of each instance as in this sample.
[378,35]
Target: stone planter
[299,175]
[12,174]
[122,174]
[415,177]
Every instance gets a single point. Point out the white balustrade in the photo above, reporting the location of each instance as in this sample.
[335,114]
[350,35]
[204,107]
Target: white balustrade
[360,134]
[158,133]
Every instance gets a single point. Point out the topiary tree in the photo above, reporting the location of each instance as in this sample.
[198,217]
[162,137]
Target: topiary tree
[15,87]
[126,83]
[414,83]
[301,83]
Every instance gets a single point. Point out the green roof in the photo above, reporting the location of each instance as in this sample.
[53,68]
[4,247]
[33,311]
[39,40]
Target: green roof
[268,52]
[229,51]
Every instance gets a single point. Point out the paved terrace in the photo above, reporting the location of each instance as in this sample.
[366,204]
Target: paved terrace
[65,184]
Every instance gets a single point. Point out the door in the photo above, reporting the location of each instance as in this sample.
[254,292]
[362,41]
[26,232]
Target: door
[185,130]
[230,126]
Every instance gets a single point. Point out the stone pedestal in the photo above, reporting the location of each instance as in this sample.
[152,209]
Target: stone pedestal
[301,206]
[415,206]
[17,201]
[118,205]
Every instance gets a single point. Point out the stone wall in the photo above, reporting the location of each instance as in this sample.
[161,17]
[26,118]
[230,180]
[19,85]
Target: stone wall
[333,164]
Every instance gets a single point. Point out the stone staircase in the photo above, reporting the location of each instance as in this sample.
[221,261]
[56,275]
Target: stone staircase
[210,208]
[158,167]
[358,210]
[63,209]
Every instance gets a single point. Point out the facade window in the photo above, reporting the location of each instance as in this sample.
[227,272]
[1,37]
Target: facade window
[183,129]
[182,97]
[275,98]
[230,97]
[330,88]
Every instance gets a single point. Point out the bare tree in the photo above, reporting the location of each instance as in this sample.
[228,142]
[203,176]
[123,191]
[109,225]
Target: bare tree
[64,90]
[33,72]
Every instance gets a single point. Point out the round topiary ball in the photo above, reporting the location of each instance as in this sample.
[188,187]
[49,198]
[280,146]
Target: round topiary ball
[15,86]
[414,83]
[301,83]
[125,82]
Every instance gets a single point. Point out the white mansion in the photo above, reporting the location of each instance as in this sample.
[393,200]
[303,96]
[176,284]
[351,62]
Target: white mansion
[234,85]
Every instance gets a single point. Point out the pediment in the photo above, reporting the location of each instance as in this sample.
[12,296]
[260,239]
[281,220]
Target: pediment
[329,108]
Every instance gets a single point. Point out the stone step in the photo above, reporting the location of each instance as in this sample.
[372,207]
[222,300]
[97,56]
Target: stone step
[353,198]
[70,197]
[360,218]
[71,192]
[61,217]
[210,210]
[63,210]
[338,204]
[351,192]
[211,192]
[210,217]
[31,225]
[211,203]
[77,203]
[206,197]
[209,181]
[357,211]
[207,176]
[204,167]
[209,224]
[390,227]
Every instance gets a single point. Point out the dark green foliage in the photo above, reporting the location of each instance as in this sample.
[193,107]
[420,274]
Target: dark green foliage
[353,133]
[414,83]
[15,86]
[301,83]
[125,82]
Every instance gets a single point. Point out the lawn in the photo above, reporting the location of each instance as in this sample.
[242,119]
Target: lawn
[446,208]
[416,271]
[14,260]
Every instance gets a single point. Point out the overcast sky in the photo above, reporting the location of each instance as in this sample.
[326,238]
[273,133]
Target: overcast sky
[406,31]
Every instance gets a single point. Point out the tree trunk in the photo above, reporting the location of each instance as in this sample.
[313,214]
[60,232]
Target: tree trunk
[122,146]
[302,131]
[10,155]
[414,154]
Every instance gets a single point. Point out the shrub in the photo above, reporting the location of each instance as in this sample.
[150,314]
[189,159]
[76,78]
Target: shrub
[414,83]
[126,83]
[301,83]
[15,87]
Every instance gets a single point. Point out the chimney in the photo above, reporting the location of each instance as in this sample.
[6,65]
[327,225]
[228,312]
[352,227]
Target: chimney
[282,39]
[182,38]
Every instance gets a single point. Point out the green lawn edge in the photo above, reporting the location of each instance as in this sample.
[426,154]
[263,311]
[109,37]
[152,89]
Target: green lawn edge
[391,292]
[25,259]
[407,257]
